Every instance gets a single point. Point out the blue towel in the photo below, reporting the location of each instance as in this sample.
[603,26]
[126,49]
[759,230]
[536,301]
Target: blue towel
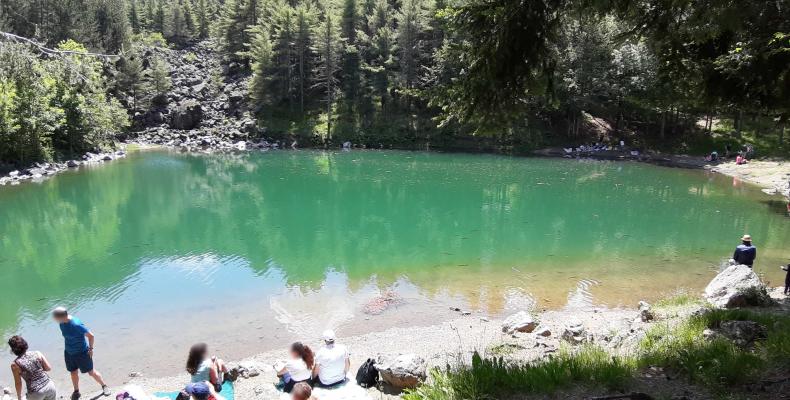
[227,392]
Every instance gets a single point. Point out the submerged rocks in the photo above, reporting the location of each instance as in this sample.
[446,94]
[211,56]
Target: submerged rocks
[402,372]
[519,322]
[737,286]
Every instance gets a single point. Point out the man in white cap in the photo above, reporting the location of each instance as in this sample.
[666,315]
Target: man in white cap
[745,253]
[331,362]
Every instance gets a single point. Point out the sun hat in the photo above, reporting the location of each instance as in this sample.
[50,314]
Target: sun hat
[329,335]
[199,390]
[746,238]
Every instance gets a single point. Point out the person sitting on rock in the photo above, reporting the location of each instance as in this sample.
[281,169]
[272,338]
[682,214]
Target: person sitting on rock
[298,368]
[331,362]
[745,253]
[203,368]
[787,279]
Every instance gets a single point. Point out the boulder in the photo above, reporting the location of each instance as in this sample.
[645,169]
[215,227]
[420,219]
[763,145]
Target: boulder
[645,312]
[543,331]
[737,286]
[403,371]
[742,333]
[575,333]
[519,322]
[186,115]
[72,164]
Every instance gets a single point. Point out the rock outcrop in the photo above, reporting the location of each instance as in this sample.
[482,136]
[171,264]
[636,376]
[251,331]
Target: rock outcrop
[737,286]
[519,322]
[403,371]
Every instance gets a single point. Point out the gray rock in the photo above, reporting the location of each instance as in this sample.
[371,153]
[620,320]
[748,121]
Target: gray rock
[543,331]
[403,371]
[519,322]
[72,164]
[742,333]
[246,369]
[13,173]
[737,286]
[645,312]
[709,334]
[186,115]
[575,333]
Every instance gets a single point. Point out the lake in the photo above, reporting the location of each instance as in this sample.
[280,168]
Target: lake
[251,251]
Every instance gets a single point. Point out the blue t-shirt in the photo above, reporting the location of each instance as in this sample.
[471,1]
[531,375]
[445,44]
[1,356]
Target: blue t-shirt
[74,332]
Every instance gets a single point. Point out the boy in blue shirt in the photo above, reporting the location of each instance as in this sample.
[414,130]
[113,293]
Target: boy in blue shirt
[78,351]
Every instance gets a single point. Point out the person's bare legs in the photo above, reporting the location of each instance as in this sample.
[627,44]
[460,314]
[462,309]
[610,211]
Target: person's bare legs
[75,380]
[97,377]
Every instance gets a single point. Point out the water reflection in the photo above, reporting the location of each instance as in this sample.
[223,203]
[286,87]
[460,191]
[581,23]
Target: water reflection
[157,234]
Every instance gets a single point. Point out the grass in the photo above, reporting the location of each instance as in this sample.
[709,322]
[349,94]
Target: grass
[489,378]
[680,349]
[717,363]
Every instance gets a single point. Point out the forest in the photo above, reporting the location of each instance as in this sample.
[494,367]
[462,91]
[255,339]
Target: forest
[676,75]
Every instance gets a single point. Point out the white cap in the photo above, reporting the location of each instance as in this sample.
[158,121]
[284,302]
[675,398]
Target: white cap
[329,335]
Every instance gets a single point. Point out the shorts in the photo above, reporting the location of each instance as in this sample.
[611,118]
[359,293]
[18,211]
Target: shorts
[48,392]
[81,361]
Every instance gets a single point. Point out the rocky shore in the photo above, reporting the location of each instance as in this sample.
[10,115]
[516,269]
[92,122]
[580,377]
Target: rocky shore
[406,355]
[40,171]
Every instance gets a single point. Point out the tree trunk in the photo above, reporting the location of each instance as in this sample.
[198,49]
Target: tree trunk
[663,124]
[738,122]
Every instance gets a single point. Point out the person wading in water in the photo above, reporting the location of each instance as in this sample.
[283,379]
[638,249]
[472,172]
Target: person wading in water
[745,253]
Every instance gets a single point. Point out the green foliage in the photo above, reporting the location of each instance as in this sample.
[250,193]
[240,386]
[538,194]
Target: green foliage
[56,105]
[717,363]
[490,378]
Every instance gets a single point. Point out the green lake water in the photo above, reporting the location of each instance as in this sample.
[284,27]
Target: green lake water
[161,249]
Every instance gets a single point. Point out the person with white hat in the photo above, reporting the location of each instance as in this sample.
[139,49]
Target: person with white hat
[745,253]
[331,362]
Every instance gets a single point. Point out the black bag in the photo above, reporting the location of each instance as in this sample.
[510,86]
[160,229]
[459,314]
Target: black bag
[368,375]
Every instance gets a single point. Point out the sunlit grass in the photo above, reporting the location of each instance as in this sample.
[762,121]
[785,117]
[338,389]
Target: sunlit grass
[679,348]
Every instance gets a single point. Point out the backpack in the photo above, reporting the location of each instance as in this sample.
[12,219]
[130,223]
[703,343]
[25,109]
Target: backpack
[368,375]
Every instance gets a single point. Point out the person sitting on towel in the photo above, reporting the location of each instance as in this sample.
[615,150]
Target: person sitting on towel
[298,368]
[203,368]
[331,362]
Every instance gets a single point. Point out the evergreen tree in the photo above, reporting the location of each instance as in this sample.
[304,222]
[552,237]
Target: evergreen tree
[130,77]
[328,47]
[261,55]
[134,17]
[203,17]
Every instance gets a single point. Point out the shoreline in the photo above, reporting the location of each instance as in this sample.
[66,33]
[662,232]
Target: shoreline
[773,176]
[452,343]
[448,343]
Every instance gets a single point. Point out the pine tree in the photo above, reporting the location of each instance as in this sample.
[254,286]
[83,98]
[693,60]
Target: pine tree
[157,80]
[203,15]
[284,38]
[130,77]
[261,55]
[134,17]
[328,48]
[411,22]
[305,19]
